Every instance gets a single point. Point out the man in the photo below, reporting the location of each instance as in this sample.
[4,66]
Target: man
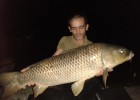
[78,26]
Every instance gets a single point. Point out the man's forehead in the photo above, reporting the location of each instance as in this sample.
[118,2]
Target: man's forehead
[81,19]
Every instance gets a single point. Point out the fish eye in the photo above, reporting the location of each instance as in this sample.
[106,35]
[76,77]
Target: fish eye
[121,51]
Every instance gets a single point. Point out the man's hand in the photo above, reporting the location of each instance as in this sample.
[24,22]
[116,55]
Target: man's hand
[25,69]
[102,71]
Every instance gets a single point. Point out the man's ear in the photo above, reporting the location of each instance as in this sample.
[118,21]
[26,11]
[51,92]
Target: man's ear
[87,26]
[69,28]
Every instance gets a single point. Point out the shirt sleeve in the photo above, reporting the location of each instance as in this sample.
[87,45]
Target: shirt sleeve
[89,42]
[61,44]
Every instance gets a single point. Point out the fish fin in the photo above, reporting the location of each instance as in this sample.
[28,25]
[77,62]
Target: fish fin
[39,89]
[77,87]
[8,81]
[105,75]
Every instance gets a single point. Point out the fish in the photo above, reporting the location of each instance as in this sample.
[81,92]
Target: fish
[22,94]
[74,66]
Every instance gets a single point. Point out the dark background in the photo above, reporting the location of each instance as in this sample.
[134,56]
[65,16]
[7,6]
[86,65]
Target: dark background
[30,30]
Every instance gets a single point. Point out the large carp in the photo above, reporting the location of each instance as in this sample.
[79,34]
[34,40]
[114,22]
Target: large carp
[75,66]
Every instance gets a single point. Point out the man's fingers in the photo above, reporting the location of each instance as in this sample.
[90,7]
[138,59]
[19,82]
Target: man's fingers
[100,73]
[24,69]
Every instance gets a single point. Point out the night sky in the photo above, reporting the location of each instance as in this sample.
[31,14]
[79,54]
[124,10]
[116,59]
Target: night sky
[30,30]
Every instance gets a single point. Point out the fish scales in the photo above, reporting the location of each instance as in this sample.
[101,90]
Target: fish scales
[76,65]
[64,68]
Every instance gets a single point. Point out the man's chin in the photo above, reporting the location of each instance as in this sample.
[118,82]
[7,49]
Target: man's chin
[79,38]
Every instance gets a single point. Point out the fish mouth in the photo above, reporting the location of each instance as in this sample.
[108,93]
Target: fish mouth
[131,55]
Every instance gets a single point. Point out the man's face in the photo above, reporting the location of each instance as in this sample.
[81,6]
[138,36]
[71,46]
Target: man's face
[78,27]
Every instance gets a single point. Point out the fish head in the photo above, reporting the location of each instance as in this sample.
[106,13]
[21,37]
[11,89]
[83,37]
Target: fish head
[114,55]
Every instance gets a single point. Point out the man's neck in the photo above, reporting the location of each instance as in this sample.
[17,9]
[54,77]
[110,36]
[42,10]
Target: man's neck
[79,42]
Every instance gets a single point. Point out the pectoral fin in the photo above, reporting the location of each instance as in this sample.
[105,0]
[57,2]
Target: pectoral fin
[39,89]
[105,75]
[77,87]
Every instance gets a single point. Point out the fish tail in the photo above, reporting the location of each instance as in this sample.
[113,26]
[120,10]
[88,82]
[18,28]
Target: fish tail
[10,84]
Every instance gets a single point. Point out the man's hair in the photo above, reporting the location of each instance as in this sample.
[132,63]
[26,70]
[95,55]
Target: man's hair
[76,15]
